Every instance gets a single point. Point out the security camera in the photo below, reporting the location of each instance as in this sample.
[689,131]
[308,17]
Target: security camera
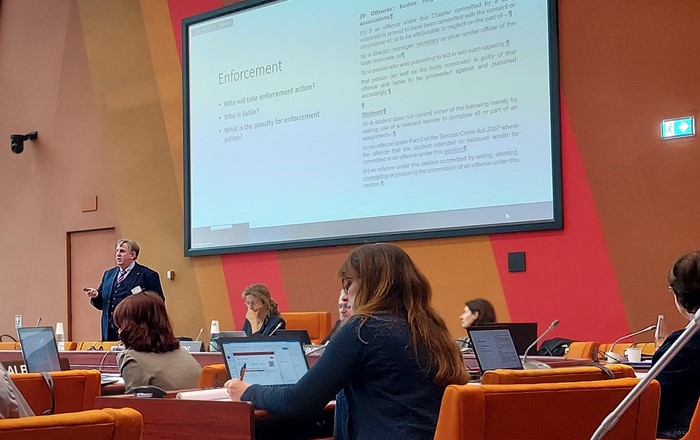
[17,141]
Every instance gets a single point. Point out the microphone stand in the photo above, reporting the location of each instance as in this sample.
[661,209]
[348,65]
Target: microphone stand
[538,365]
[611,420]
[611,352]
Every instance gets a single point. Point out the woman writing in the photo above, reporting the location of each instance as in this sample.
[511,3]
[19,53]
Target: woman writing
[153,355]
[262,317]
[392,359]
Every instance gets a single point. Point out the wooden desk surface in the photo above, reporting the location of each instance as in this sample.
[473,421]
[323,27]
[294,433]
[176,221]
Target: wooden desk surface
[172,418]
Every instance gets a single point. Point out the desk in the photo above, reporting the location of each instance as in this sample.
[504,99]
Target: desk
[176,419]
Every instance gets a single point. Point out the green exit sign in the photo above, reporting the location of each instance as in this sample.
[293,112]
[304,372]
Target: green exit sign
[678,127]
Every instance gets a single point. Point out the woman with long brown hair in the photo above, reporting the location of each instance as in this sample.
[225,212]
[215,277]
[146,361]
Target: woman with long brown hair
[392,359]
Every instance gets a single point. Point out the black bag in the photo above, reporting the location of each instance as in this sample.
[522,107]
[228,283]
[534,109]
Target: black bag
[554,347]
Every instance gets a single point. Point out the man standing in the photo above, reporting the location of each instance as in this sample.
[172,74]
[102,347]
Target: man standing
[127,278]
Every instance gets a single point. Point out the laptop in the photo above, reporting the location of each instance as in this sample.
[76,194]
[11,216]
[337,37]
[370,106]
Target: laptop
[300,335]
[39,349]
[215,345]
[494,348]
[270,362]
[524,334]
[192,346]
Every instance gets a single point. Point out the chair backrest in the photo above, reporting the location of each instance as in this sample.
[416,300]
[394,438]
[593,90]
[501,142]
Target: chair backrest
[582,350]
[96,345]
[99,424]
[552,375]
[70,346]
[9,345]
[549,411]
[213,375]
[75,390]
[318,324]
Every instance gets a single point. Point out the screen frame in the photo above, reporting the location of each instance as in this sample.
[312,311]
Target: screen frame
[556,223]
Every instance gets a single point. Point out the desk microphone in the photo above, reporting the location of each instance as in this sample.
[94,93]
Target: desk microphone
[38,321]
[536,365]
[277,327]
[611,420]
[199,335]
[611,351]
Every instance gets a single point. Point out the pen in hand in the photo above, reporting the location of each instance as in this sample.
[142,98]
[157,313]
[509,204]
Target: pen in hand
[242,372]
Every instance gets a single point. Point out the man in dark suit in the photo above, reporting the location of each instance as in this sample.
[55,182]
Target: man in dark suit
[127,278]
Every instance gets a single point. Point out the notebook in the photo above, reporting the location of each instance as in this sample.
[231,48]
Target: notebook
[192,345]
[523,333]
[268,361]
[494,348]
[39,349]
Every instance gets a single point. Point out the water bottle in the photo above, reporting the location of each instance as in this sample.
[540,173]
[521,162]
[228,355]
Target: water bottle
[18,321]
[660,332]
[60,341]
[214,335]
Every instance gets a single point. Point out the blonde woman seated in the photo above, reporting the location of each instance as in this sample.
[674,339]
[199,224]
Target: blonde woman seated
[263,316]
[153,355]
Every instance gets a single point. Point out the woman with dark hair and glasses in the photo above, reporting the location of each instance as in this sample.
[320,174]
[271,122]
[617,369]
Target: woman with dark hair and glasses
[153,355]
[392,359]
[478,311]
[680,379]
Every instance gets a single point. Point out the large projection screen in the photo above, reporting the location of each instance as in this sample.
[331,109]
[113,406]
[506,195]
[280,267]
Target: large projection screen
[317,122]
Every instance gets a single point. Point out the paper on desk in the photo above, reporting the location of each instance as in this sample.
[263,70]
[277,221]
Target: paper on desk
[210,394]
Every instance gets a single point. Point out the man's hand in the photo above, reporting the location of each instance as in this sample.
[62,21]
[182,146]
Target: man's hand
[91,292]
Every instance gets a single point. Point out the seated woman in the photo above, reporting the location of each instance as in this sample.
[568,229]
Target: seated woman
[680,379]
[477,312]
[393,358]
[262,317]
[12,403]
[344,312]
[153,355]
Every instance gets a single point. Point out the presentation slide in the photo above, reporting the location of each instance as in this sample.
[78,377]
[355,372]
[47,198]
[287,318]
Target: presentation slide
[311,122]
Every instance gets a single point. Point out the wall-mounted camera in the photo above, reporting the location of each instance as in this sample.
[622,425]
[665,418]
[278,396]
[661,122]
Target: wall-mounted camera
[17,141]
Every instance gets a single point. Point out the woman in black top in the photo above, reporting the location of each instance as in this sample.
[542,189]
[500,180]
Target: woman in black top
[680,379]
[262,317]
[392,359]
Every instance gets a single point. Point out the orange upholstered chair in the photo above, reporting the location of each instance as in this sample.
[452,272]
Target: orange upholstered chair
[99,424]
[96,345]
[582,350]
[9,345]
[214,375]
[75,390]
[552,375]
[70,346]
[549,411]
[318,324]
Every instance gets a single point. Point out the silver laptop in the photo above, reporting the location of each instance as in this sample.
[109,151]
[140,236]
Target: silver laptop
[267,362]
[494,348]
[39,349]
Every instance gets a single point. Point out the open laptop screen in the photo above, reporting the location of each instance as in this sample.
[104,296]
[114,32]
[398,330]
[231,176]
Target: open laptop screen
[494,348]
[268,362]
[523,333]
[39,349]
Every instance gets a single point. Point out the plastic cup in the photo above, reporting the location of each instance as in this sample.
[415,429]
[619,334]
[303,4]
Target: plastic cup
[634,354]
